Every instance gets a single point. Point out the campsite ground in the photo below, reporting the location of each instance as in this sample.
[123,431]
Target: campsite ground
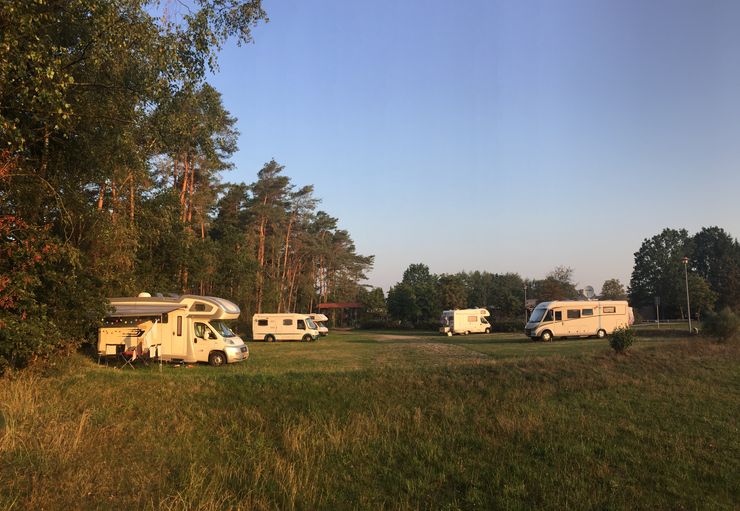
[383,420]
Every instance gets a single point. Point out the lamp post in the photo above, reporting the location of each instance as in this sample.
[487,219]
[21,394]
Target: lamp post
[686,278]
[525,304]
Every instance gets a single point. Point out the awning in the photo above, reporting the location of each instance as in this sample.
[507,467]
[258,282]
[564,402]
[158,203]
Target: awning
[142,309]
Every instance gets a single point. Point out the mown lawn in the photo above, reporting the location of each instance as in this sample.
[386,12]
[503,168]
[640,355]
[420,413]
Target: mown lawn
[383,420]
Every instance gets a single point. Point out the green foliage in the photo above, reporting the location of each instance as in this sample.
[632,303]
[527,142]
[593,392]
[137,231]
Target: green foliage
[47,300]
[621,339]
[658,271]
[723,325]
[716,258]
[713,271]
[558,285]
[452,292]
[612,289]
[402,303]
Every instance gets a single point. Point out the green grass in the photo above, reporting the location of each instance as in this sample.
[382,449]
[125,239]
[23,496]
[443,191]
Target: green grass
[393,420]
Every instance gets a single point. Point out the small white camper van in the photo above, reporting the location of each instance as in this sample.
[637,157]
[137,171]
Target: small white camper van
[186,328]
[578,319]
[320,320]
[284,327]
[465,321]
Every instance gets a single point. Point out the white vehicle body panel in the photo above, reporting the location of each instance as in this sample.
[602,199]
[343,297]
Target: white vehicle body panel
[578,318]
[283,327]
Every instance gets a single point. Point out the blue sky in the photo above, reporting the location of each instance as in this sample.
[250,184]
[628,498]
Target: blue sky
[507,136]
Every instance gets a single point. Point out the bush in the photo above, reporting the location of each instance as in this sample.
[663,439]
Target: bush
[49,302]
[622,339]
[723,325]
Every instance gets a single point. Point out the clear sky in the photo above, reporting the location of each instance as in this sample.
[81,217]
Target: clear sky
[505,136]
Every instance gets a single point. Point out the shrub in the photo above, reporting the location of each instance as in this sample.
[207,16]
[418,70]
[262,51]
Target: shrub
[49,302]
[622,339]
[723,325]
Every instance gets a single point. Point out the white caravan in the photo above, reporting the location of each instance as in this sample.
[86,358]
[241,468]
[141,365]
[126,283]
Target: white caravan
[578,319]
[284,327]
[186,328]
[320,320]
[465,321]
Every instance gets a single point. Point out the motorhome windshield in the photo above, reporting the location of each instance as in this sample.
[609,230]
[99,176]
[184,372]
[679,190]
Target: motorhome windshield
[222,329]
[311,324]
[537,314]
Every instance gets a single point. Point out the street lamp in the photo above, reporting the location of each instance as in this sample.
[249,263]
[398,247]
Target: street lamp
[525,304]
[686,278]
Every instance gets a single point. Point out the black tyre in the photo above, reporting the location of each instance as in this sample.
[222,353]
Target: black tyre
[307,338]
[546,336]
[217,358]
[269,338]
[601,334]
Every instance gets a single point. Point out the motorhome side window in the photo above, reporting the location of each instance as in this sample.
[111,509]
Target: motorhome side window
[165,318]
[287,322]
[472,319]
[548,316]
[558,315]
[262,322]
[610,310]
[574,313]
[201,307]
[179,325]
[587,312]
[301,324]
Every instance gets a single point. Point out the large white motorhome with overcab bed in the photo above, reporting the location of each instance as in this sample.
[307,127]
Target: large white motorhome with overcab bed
[578,318]
[320,320]
[187,328]
[465,321]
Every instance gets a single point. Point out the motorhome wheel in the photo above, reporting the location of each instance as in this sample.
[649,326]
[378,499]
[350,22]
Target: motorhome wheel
[546,336]
[306,338]
[217,359]
[488,330]
[269,338]
[601,334]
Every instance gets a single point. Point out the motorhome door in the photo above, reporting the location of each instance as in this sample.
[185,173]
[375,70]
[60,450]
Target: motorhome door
[178,342]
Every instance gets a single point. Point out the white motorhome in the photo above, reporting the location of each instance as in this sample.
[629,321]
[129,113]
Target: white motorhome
[320,320]
[578,319]
[187,328]
[465,321]
[284,327]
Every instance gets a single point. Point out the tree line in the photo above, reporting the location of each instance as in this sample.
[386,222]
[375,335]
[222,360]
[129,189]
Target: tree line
[712,271]
[113,149]
[421,295]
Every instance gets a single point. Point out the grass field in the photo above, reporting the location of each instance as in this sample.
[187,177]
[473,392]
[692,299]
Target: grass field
[383,421]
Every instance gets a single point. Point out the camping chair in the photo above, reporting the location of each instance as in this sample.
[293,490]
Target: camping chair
[128,356]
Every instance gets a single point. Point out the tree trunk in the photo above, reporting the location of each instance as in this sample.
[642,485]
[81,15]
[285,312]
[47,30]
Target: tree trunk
[101,196]
[114,200]
[132,198]
[183,189]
